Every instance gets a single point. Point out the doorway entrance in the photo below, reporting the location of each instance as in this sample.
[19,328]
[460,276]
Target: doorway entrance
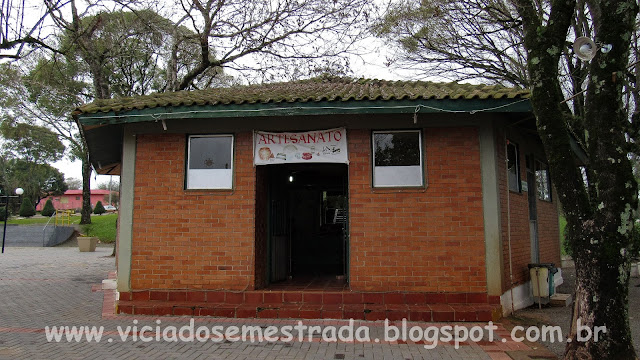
[307,222]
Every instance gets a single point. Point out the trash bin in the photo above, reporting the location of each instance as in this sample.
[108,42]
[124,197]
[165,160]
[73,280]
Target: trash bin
[542,279]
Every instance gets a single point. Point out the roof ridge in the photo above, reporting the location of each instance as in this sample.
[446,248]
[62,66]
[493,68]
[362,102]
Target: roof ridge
[316,89]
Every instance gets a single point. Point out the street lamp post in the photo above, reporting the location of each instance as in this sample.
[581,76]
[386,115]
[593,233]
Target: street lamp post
[19,191]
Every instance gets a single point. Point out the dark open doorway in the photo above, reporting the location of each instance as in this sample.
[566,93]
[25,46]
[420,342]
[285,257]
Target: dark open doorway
[307,221]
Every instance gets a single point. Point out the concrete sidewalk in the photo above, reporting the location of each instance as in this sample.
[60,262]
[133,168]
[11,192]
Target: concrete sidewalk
[46,287]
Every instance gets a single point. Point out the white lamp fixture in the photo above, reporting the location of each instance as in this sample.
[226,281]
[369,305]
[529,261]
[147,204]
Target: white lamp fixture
[19,191]
[585,48]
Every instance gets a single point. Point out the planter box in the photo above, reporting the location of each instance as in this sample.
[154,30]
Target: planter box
[87,244]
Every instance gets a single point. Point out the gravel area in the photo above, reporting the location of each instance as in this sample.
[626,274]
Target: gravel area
[561,316]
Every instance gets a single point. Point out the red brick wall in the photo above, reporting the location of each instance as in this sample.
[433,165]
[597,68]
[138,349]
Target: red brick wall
[191,239]
[518,216]
[419,240]
[549,232]
[428,240]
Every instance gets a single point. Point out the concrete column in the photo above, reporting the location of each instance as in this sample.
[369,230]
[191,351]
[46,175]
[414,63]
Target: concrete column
[125,230]
[491,208]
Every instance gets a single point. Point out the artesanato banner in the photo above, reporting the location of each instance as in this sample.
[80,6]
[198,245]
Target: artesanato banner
[319,146]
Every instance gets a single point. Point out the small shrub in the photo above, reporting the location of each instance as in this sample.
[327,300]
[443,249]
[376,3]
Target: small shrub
[2,210]
[99,209]
[26,208]
[87,229]
[48,209]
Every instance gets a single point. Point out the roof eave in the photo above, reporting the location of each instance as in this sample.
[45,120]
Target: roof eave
[475,105]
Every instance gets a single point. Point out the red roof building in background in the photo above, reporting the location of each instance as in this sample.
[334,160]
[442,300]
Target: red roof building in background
[72,199]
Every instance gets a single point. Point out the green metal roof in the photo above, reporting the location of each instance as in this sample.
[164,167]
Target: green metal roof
[306,97]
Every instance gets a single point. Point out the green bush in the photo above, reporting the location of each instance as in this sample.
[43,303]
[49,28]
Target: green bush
[2,210]
[99,209]
[48,209]
[26,208]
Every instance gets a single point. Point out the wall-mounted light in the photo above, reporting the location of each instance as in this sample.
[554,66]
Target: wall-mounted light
[290,178]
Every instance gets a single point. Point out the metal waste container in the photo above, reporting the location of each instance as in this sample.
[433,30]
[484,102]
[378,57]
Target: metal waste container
[542,279]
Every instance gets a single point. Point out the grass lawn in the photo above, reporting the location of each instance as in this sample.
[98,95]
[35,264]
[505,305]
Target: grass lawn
[102,226]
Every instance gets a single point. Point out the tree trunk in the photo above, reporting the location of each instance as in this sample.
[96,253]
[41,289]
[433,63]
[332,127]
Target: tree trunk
[601,309]
[100,81]
[600,219]
[85,217]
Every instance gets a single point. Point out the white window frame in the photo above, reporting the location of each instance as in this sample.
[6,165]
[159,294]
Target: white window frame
[543,167]
[518,183]
[216,179]
[399,172]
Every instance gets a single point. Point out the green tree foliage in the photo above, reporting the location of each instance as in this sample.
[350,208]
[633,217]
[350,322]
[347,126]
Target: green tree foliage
[261,38]
[33,143]
[124,53]
[26,208]
[98,56]
[37,180]
[99,209]
[48,209]
[120,51]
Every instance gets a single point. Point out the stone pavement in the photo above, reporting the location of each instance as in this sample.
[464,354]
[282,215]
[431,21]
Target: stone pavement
[46,287]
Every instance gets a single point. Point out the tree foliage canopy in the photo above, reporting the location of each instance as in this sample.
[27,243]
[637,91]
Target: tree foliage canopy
[37,180]
[190,45]
[31,142]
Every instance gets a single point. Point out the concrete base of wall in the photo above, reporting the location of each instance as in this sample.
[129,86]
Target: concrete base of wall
[523,295]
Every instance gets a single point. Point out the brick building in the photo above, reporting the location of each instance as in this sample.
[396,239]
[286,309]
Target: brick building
[327,198]
[72,199]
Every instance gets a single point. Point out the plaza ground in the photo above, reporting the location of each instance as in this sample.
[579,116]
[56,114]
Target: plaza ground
[61,287]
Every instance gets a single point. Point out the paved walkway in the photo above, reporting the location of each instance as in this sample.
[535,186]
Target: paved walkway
[46,287]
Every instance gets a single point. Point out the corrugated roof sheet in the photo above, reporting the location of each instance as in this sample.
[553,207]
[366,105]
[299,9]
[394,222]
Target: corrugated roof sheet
[305,91]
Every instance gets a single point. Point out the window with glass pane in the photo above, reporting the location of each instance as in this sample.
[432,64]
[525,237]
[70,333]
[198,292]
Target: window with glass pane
[543,182]
[397,159]
[210,162]
[513,166]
